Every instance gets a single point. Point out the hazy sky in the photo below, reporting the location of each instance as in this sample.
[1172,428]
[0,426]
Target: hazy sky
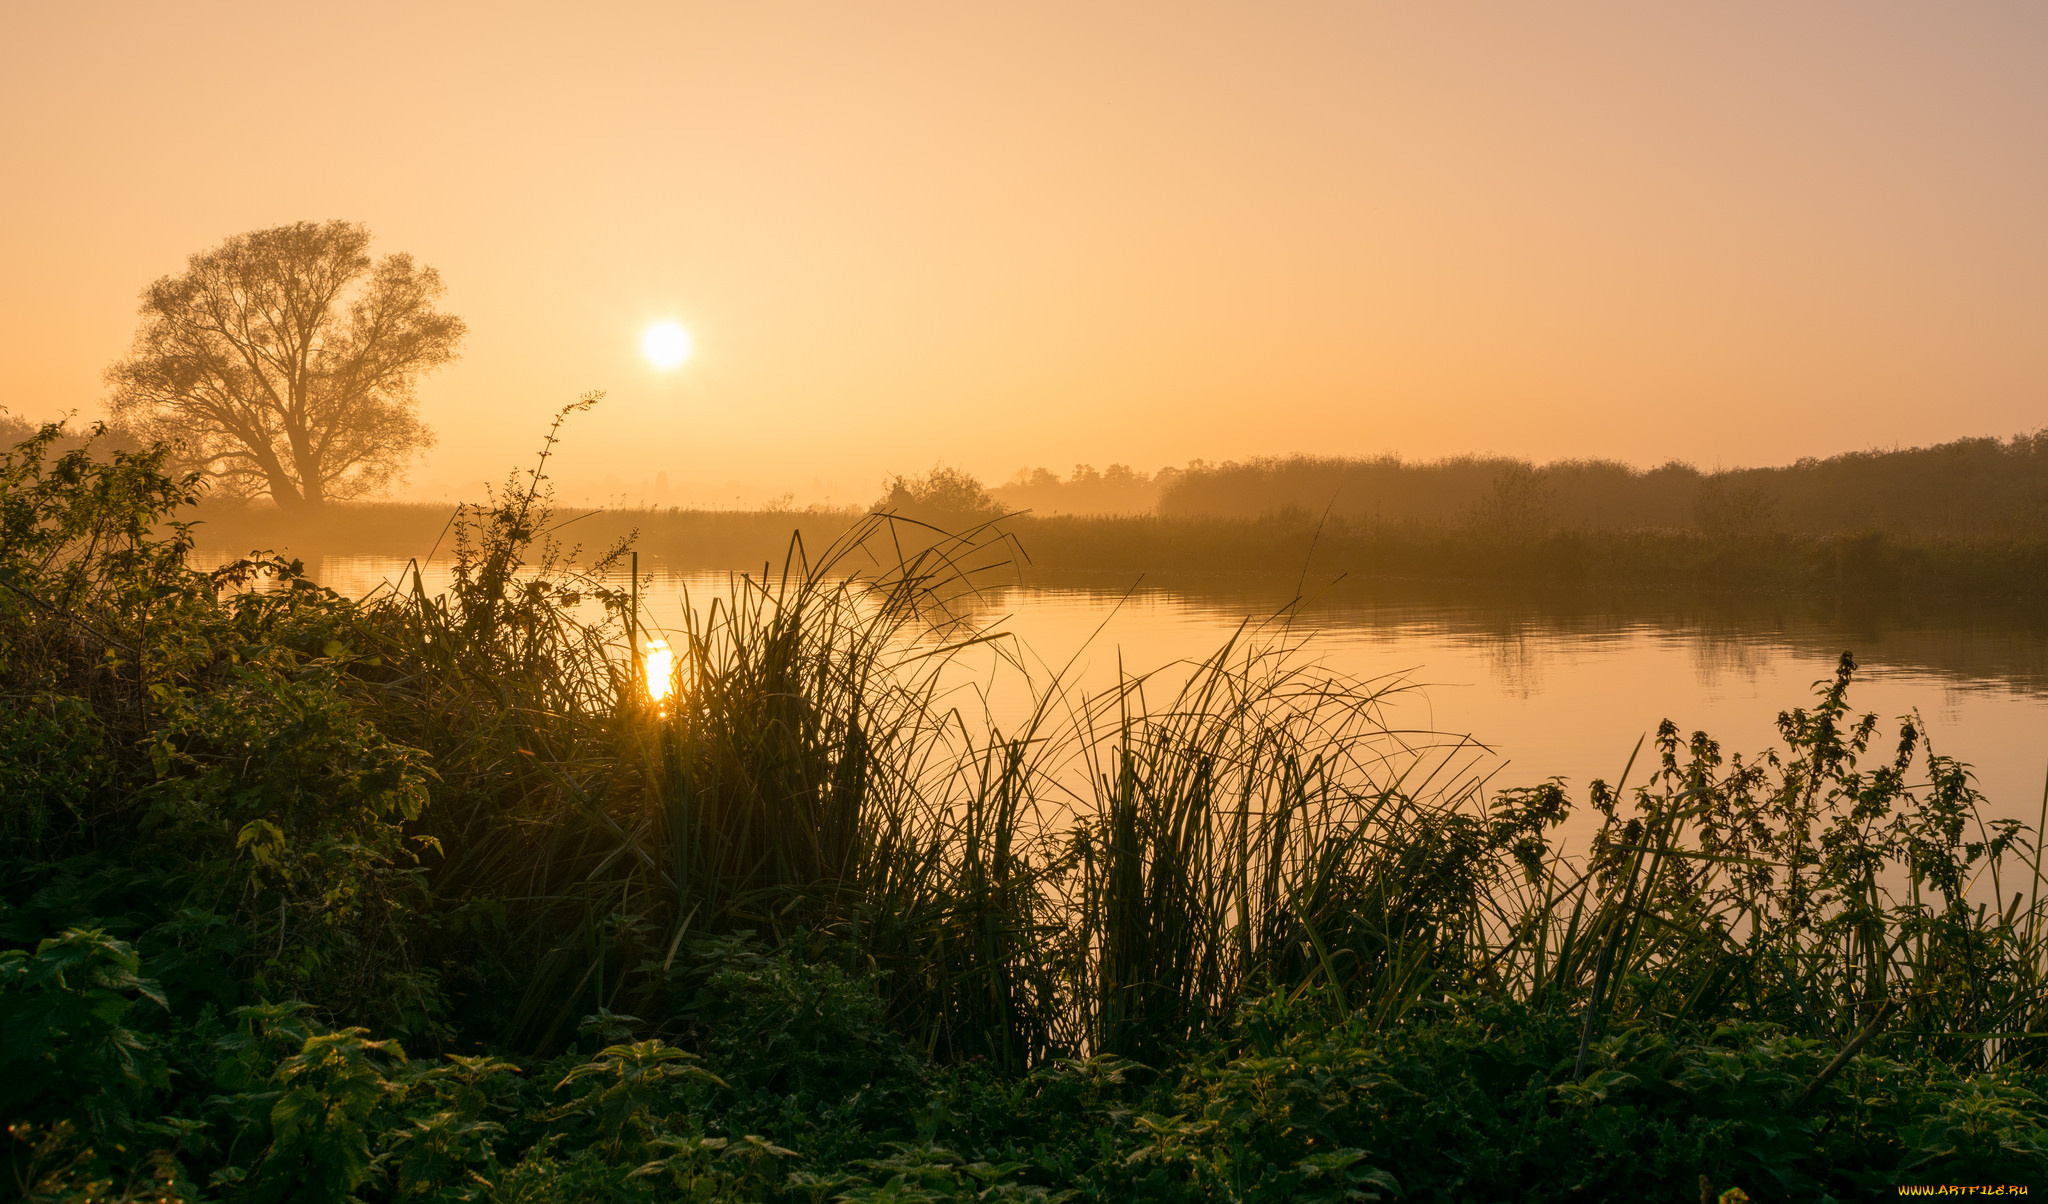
[1024,234]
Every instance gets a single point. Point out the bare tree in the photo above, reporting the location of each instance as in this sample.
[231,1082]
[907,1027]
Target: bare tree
[282,362]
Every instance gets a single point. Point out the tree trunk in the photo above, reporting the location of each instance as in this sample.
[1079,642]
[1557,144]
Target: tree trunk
[312,491]
[285,494]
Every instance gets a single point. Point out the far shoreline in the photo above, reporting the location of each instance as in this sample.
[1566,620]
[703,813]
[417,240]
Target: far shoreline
[1867,567]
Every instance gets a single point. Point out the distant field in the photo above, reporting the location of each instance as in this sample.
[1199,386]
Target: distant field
[690,539]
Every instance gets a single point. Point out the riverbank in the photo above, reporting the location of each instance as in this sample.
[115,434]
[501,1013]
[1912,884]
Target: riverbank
[1857,566]
[423,897]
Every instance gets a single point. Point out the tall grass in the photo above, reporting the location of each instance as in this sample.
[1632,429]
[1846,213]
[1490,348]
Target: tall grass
[1121,870]
[1113,874]
[1207,934]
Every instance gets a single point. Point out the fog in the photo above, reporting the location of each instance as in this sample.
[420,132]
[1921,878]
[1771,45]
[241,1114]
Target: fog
[910,234]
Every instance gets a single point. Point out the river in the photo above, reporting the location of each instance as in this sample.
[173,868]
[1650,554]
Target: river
[1558,684]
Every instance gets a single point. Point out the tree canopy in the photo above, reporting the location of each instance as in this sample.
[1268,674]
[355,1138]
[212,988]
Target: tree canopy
[283,362]
[949,497]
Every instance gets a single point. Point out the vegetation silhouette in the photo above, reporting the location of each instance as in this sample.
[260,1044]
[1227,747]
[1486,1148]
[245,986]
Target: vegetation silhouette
[421,896]
[1969,487]
[1118,489]
[948,496]
[1957,522]
[282,363]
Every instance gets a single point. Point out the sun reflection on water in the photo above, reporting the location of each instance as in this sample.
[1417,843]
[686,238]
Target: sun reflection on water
[660,663]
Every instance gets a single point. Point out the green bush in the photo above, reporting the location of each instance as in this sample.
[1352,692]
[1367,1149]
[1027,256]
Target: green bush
[774,1023]
[66,1052]
[253,836]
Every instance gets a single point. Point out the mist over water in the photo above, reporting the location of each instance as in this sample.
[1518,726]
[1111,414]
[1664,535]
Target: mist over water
[1197,603]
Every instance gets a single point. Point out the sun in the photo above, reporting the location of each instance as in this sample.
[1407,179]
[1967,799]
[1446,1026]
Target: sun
[666,344]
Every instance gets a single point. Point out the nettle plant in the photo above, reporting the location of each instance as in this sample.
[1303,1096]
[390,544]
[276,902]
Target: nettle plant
[1823,883]
[208,740]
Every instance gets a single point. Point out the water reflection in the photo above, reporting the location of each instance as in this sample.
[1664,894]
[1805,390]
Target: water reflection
[1517,664]
[1717,656]
[1563,684]
[1557,684]
[659,664]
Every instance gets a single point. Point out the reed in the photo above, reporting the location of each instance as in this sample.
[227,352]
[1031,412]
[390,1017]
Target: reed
[463,819]
[1116,875]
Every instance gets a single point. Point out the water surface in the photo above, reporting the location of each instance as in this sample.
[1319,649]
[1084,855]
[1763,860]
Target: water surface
[1550,684]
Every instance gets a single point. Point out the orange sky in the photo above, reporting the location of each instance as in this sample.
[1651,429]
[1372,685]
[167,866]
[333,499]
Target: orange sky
[1009,235]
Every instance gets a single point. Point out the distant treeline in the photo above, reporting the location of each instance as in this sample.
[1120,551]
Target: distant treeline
[15,429]
[1969,487]
[1962,519]
[1870,564]
[1118,489]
